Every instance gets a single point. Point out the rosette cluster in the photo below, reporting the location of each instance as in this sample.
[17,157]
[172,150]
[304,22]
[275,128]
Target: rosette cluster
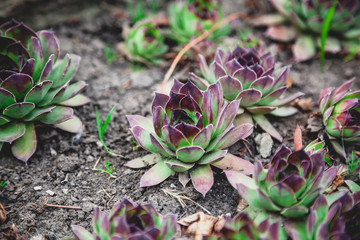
[190,130]
[128,220]
[35,87]
[145,44]
[290,185]
[307,18]
[340,108]
[193,17]
[247,75]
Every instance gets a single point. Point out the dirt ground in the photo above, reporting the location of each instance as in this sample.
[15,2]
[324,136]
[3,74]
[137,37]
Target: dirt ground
[61,171]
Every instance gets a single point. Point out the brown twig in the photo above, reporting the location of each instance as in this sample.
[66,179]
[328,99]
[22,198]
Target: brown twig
[62,206]
[196,41]
[110,200]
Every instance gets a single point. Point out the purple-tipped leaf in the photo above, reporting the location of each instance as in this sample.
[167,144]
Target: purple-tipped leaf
[81,233]
[249,97]
[179,166]
[144,161]
[73,125]
[6,98]
[212,157]
[155,175]
[50,44]
[18,110]
[202,178]
[11,132]
[231,162]
[24,147]
[231,87]
[137,120]
[189,154]
[18,84]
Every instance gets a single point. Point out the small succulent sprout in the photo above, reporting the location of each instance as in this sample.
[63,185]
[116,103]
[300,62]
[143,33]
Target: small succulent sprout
[242,226]
[193,17]
[144,43]
[35,87]
[315,146]
[245,74]
[190,131]
[327,218]
[341,115]
[307,18]
[128,220]
[290,185]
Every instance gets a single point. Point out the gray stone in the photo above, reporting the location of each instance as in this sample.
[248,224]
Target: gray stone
[264,144]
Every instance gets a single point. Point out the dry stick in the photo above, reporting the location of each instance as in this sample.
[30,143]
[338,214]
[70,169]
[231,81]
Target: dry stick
[62,206]
[196,41]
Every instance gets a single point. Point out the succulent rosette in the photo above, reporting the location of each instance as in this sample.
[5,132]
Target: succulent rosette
[242,226]
[245,74]
[144,43]
[193,17]
[190,131]
[326,219]
[307,18]
[35,87]
[128,220]
[290,185]
[341,115]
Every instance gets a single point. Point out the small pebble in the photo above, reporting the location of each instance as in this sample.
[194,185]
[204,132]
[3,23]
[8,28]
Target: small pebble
[37,188]
[65,190]
[264,144]
[51,193]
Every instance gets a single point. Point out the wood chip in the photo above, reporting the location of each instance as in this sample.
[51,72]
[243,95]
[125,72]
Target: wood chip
[306,104]
[198,225]
[335,184]
[2,214]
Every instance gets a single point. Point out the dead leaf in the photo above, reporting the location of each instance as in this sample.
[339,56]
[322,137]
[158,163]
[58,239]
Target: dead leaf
[2,214]
[10,233]
[335,184]
[242,205]
[198,225]
[289,82]
[219,225]
[306,104]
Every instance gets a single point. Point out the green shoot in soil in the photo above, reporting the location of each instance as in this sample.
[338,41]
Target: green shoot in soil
[246,40]
[137,9]
[2,184]
[110,54]
[354,48]
[324,32]
[102,128]
[352,164]
[108,169]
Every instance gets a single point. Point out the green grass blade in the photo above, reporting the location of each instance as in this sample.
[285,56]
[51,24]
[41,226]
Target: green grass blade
[108,119]
[324,32]
[99,124]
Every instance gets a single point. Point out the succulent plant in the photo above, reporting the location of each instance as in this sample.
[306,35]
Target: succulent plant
[242,226]
[245,74]
[326,219]
[307,18]
[341,115]
[128,220]
[189,131]
[35,87]
[144,43]
[193,17]
[290,185]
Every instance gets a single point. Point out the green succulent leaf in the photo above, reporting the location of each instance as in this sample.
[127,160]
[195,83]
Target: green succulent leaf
[24,147]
